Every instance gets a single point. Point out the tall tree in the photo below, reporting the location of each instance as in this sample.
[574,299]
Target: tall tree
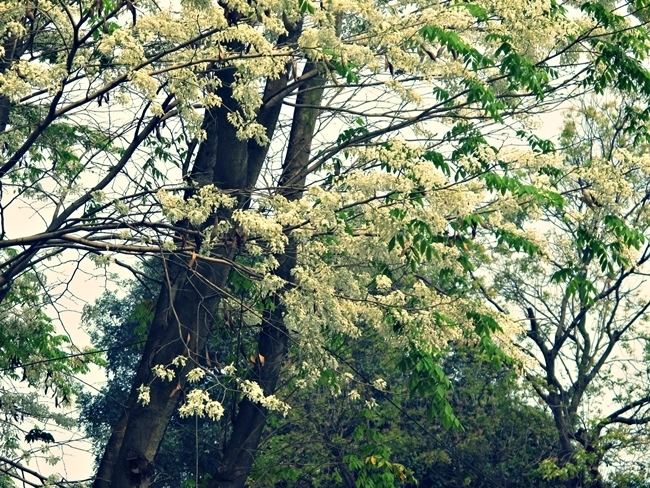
[583,297]
[266,141]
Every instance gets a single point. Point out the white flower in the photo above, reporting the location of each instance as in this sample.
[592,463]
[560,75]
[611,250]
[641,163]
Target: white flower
[197,208]
[98,196]
[121,207]
[163,373]
[179,361]
[379,384]
[214,409]
[169,245]
[229,370]
[195,375]
[198,402]
[194,403]
[383,283]
[354,395]
[253,391]
[144,394]
[370,404]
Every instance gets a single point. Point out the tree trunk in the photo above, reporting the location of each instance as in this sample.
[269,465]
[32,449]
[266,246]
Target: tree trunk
[184,315]
[182,322]
[186,305]
[273,340]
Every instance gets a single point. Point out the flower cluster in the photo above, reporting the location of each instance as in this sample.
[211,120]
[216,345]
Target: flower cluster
[165,374]
[198,402]
[197,208]
[253,391]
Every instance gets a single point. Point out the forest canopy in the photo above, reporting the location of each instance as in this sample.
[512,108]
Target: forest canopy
[352,243]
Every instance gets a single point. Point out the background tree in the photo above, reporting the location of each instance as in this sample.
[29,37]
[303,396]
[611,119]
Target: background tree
[501,443]
[34,363]
[332,438]
[583,299]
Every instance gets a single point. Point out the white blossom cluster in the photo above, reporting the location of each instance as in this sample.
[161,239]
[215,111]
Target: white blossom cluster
[253,391]
[197,208]
[198,402]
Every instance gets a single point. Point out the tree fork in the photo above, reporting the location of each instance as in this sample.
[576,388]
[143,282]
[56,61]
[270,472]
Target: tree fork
[221,160]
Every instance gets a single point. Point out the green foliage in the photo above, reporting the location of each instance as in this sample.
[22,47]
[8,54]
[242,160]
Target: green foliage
[306,7]
[30,347]
[541,146]
[624,233]
[329,441]
[371,464]
[427,379]
[521,71]
[504,184]
[36,362]
[617,63]
[479,93]
[516,242]
[456,46]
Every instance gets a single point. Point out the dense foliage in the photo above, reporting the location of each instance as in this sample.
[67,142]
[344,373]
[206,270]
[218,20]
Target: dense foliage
[351,239]
[358,434]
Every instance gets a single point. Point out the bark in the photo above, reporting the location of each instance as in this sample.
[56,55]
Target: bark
[569,439]
[239,453]
[181,325]
[13,49]
[183,318]
[270,111]
[5,108]
[185,308]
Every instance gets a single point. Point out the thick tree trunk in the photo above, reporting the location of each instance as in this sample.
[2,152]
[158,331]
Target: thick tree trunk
[181,325]
[186,306]
[185,313]
[13,49]
[564,415]
[251,418]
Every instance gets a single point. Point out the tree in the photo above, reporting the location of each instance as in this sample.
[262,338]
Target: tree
[332,438]
[336,442]
[118,326]
[33,362]
[582,297]
[227,171]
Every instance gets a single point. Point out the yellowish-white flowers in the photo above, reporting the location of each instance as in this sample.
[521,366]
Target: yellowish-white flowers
[259,226]
[371,404]
[383,283]
[179,361]
[144,394]
[229,370]
[197,208]
[198,402]
[195,375]
[253,391]
[341,230]
[163,373]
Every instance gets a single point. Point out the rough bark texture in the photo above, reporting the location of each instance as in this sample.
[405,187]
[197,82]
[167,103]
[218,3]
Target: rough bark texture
[181,325]
[183,318]
[185,308]
[13,49]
